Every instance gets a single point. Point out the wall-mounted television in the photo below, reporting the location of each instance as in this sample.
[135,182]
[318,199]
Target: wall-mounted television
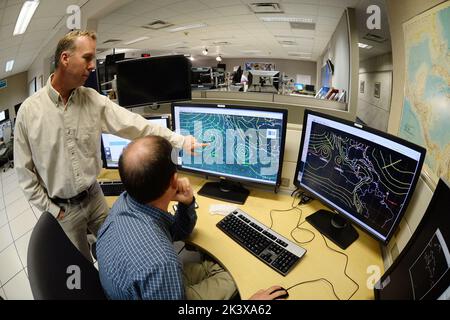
[365,176]
[147,81]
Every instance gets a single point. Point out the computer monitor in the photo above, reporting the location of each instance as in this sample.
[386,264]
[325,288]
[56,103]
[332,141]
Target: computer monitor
[113,145]
[422,270]
[147,81]
[299,86]
[309,87]
[246,144]
[364,175]
[263,81]
[4,115]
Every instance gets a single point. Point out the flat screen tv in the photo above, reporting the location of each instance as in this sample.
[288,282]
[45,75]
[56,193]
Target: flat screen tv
[154,80]
[365,176]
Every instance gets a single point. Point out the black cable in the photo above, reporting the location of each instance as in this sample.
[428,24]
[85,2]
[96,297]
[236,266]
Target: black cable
[181,249]
[315,280]
[345,268]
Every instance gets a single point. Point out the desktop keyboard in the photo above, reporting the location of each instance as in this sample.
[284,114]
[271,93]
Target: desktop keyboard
[112,188]
[271,248]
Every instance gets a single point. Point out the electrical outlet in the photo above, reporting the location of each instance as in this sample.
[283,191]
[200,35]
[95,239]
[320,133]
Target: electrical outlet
[285,182]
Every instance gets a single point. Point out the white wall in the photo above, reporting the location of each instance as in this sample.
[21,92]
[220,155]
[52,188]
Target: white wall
[16,92]
[372,110]
[338,51]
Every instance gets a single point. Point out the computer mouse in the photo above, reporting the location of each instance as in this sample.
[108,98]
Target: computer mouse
[283,296]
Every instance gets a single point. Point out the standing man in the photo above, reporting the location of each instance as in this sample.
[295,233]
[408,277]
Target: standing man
[57,140]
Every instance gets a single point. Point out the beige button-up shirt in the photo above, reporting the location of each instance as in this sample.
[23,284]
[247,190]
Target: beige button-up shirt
[57,147]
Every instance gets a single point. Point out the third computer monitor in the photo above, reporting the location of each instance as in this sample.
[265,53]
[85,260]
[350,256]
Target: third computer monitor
[113,145]
[245,144]
[363,174]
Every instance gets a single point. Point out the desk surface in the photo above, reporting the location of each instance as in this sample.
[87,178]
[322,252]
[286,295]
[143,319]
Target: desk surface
[250,274]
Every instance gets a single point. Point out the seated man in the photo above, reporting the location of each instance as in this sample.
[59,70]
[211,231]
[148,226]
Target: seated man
[136,257]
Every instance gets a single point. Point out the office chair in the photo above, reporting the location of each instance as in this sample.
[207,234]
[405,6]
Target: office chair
[56,269]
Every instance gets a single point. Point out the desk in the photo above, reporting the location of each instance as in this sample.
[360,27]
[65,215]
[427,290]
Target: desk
[250,274]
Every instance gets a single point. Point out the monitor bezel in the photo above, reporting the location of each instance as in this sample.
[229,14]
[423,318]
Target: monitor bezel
[238,107]
[120,64]
[382,134]
[105,163]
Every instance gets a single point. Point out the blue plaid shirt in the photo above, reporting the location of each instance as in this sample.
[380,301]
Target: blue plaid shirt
[135,252]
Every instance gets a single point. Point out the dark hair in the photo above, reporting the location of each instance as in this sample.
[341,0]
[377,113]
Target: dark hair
[148,180]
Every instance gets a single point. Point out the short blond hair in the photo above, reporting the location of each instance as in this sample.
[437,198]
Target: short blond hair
[68,42]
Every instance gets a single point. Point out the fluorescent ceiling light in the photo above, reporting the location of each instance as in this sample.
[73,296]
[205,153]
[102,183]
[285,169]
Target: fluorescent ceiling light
[25,15]
[296,53]
[187,27]
[251,51]
[364,46]
[286,19]
[136,40]
[9,65]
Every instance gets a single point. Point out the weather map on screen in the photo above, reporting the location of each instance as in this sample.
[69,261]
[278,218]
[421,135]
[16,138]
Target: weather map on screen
[358,174]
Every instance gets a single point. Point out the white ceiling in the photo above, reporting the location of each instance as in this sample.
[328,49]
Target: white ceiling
[230,21]
[24,48]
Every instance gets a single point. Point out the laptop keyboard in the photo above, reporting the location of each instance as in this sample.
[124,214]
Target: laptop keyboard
[268,246]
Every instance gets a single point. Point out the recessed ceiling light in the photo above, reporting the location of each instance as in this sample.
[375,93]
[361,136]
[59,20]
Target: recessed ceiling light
[205,51]
[251,51]
[219,58]
[9,65]
[187,27]
[364,46]
[287,19]
[25,15]
[136,40]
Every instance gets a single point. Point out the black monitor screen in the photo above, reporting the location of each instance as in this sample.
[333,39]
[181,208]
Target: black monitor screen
[147,81]
[365,175]
[113,145]
[246,143]
[422,270]
[92,81]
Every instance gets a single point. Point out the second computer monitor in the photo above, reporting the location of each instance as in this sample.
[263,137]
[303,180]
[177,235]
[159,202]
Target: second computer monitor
[365,175]
[113,145]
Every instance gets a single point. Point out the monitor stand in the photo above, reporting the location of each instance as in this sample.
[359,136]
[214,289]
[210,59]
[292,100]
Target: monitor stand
[334,227]
[225,190]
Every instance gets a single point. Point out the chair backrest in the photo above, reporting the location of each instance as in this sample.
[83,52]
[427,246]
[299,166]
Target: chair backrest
[6,134]
[56,269]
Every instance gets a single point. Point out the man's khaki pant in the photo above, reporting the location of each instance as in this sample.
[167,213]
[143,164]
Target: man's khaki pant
[207,280]
[89,214]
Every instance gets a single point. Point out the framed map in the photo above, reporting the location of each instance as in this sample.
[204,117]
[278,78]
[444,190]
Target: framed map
[426,106]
